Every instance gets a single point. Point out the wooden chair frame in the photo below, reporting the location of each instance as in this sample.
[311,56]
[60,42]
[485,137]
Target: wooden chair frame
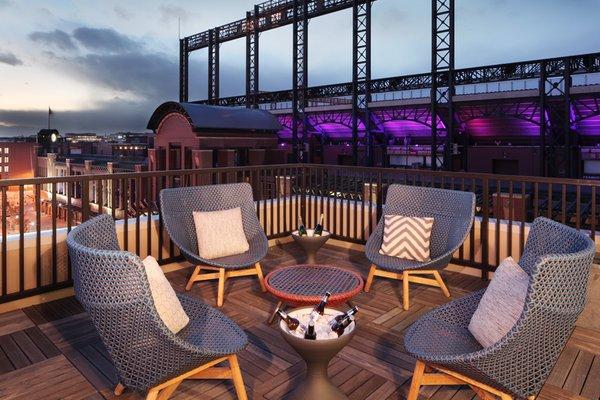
[206,371]
[406,277]
[222,275]
[441,377]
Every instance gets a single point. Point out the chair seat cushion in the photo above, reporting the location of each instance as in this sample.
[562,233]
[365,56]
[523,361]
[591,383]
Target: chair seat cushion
[167,304]
[407,237]
[501,304]
[220,233]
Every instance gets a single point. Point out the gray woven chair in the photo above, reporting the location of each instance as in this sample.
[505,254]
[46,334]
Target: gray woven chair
[177,206]
[453,217]
[558,260]
[113,288]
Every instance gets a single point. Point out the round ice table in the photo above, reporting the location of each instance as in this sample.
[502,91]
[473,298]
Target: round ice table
[304,285]
[317,354]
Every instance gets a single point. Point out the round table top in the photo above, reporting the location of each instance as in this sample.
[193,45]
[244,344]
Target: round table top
[306,284]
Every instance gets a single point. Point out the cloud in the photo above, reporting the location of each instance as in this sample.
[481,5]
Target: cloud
[10,59]
[170,13]
[57,38]
[104,40]
[124,13]
[106,117]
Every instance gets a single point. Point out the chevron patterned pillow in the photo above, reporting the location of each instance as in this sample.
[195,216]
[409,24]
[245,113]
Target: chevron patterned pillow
[406,237]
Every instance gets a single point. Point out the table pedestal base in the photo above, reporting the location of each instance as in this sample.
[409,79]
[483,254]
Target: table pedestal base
[317,354]
[316,386]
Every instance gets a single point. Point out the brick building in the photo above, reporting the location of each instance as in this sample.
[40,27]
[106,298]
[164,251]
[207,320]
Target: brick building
[190,135]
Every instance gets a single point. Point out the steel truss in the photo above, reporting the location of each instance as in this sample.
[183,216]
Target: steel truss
[586,64]
[361,77]
[300,77]
[442,77]
[555,82]
[213,66]
[183,69]
[252,58]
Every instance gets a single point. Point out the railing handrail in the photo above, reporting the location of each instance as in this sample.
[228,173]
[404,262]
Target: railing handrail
[409,171]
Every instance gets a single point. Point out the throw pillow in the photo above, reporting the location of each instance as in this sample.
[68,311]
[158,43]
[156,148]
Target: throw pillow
[165,300]
[220,233]
[406,237]
[501,305]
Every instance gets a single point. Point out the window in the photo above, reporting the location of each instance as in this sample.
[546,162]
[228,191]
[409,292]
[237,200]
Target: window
[6,160]
[6,150]
[6,168]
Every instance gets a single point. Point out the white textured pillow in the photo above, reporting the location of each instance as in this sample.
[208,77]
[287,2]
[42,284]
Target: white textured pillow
[220,233]
[501,305]
[406,237]
[165,300]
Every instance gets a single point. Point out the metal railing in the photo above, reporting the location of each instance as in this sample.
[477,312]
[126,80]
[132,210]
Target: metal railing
[37,213]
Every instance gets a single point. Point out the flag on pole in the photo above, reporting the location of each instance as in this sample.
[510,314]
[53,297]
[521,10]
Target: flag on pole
[50,112]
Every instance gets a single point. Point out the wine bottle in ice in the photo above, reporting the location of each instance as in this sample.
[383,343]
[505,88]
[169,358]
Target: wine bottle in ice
[319,227]
[291,322]
[320,308]
[310,333]
[340,326]
[348,313]
[301,228]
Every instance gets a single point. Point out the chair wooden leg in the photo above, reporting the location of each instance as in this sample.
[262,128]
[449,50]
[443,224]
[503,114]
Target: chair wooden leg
[221,288]
[238,381]
[440,281]
[119,389]
[260,277]
[192,279]
[415,385]
[405,290]
[370,278]
[168,391]
[152,394]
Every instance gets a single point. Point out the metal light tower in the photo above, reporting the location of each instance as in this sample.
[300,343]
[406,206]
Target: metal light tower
[300,76]
[442,77]
[213,66]
[361,76]
[252,47]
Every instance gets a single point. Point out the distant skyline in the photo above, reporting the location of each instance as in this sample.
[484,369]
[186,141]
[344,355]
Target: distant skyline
[105,66]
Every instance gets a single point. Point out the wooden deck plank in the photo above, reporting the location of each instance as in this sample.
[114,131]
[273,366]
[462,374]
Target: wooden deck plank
[14,321]
[54,378]
[374,366]
[591,388]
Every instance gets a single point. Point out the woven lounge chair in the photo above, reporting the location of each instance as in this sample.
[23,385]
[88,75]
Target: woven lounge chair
[558,260]
[113,288]
[453,216]
[177,206]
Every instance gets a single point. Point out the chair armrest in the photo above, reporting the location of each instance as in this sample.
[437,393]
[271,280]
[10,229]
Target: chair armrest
[458,312]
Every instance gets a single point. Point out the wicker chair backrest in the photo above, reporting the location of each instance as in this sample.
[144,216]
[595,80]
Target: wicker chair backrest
[113,288]
[178,204]
[452,211]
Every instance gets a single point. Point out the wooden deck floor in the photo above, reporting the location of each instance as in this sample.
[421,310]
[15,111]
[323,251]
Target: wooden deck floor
[51,351]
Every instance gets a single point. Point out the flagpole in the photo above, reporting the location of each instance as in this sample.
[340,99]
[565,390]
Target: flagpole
[49,113]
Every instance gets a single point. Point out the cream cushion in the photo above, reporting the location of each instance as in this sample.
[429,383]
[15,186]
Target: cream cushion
[165,300]
[220,233]
[501,305]
[406,237]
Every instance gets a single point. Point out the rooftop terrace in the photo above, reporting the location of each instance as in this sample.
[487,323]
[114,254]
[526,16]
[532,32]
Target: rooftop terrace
[51,350]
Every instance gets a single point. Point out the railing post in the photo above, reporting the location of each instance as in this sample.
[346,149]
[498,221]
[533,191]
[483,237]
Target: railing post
[85,199]
[485,211]
[303,197]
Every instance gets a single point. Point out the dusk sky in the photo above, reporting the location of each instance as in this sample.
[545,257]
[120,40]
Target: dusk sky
[104,66]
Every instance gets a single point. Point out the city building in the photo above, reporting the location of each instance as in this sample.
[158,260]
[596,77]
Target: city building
[199,136]
[17,159]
